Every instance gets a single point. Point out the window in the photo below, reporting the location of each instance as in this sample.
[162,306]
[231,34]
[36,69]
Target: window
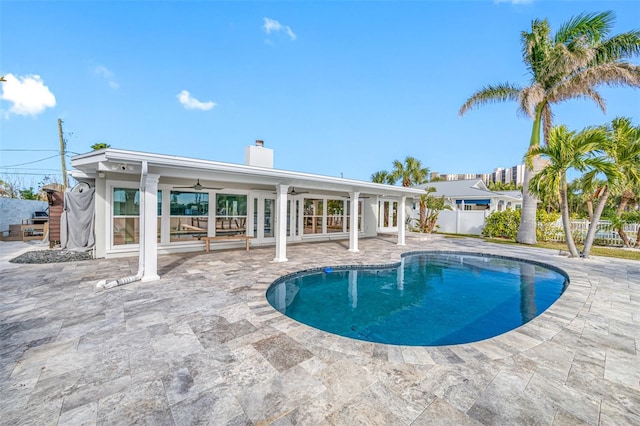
[312,216]
[126,216]
[189,215]
[335,216]
[231,214]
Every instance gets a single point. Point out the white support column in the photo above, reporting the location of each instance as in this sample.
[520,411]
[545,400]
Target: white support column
[150,228]
[401,220]
[353,225]
[281,223]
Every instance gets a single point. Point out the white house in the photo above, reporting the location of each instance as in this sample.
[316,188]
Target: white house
[153,203]
[470,202]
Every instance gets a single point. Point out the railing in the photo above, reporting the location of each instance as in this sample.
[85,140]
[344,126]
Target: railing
[606,235]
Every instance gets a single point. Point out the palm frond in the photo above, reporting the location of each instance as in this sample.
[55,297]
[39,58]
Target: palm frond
[614,74]
[564,60]
[381,176]
[535,47]
[571,89]
[530,98]
[620,46]
[491,94]
[593,26]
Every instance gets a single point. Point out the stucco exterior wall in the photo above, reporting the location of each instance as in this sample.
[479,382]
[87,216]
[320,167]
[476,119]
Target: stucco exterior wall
[13,211]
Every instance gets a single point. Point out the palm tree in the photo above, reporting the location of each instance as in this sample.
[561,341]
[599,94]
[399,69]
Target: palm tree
[382,176]
[410,172]
[567,150]
[623,149]
[588,188]
[569,65]
[625,140]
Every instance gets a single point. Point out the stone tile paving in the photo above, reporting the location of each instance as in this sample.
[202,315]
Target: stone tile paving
[202,346]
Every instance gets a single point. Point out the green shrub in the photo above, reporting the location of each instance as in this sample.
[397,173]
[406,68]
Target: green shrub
[547,226]
[505,224]
[502,224]
[631,217]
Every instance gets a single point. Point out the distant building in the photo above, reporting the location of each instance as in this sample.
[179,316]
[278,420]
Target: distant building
[513,174]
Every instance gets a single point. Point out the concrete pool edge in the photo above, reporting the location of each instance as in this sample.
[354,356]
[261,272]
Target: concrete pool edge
[544,327]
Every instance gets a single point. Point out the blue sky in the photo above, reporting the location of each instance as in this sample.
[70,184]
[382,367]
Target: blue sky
[335,88]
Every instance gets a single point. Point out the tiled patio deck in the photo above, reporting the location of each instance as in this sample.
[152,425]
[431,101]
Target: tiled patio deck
[202,346]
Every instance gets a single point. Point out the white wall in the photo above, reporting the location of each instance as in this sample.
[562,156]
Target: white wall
[462,221]
[369,216]
[13,211]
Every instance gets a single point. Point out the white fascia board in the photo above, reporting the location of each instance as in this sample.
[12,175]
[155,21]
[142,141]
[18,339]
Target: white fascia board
[96,160]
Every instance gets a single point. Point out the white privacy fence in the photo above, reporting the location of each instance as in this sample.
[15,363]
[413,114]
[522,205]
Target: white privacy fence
[462,221]
[606,235]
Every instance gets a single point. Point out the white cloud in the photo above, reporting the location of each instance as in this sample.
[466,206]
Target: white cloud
[105,73]
[28,94]
[190,102]
[271,25]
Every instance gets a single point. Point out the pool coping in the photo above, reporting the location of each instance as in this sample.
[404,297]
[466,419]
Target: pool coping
[548,324]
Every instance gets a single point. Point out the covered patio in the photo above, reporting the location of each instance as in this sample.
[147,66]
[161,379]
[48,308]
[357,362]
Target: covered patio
[158,204]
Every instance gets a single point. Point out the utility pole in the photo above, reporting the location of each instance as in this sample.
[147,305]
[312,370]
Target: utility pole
[62,152]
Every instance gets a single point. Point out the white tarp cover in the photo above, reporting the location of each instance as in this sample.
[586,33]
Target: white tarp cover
[77,221]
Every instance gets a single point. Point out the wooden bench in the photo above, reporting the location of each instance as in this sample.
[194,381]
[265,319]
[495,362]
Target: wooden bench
[239,237]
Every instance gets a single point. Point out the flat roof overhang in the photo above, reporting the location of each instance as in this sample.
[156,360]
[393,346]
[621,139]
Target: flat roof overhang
[127,162]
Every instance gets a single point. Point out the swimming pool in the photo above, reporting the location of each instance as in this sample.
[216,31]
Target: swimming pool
[427,299]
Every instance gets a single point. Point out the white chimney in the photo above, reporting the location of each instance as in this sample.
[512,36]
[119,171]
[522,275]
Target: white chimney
[258,155]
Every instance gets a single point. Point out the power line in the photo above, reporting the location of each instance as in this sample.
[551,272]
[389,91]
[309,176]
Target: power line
[29,174]
[31,162]
[29,168]
[29,150]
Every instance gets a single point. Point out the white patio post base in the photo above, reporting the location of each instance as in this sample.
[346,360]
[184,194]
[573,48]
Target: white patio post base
[281,223]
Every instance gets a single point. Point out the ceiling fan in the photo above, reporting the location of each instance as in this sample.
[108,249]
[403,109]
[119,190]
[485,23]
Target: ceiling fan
[294,192]
[196,186]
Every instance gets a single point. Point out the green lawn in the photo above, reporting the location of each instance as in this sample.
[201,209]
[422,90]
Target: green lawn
[595,250]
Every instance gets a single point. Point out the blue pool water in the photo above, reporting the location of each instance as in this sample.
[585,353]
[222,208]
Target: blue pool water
[429,298]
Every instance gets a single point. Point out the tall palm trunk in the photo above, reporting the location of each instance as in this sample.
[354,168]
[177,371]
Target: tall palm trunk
[528,222]
[590,208]
[566,220]
[593,226]
[626,197]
